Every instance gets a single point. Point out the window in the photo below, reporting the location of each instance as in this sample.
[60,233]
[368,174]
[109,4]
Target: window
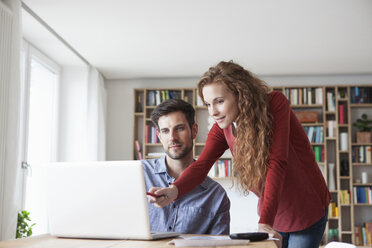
[40,80]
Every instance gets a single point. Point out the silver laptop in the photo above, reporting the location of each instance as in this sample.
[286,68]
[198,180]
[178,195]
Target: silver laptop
[104,200]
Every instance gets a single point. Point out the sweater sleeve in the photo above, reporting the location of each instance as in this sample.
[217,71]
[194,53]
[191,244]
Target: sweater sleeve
[195,174]
[278,159]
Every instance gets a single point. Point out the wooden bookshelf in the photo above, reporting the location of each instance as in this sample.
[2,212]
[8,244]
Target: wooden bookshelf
[350,213]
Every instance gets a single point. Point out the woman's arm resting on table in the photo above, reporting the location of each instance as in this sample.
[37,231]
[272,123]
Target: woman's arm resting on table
[272,233]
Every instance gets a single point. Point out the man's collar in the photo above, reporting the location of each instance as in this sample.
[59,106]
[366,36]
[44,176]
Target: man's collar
[161,167]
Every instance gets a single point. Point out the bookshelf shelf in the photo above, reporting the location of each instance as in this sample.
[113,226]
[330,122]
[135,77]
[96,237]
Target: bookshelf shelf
[343,125]
[361,144]
[361,105]
[345,177]
[333,218]
[345,205]
[153,144]
[361,164]
[362,184]
[151,157]
[307,106]
[316,124]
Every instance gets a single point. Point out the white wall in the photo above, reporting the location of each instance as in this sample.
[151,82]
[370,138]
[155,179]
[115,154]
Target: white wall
[120,127]
[73,113]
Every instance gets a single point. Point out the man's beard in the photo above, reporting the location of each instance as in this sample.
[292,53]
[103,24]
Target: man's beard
[179,155]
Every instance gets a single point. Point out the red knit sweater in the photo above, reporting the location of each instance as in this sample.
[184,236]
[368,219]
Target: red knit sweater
[295,194]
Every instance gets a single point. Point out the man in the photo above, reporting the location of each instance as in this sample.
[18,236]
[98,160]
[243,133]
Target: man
[205,210]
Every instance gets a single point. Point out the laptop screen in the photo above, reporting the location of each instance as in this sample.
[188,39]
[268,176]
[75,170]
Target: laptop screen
[97,200]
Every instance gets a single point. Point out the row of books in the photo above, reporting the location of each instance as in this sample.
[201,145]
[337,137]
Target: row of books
[150,135]
[361,94]
[222,168]
[344,197]
[363,234]
[362,194]
[315,134]
[332,234]
[362,154]
[155,97]
[298,96]
[319,153]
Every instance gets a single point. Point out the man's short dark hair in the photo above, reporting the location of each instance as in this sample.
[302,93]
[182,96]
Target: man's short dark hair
[173,105]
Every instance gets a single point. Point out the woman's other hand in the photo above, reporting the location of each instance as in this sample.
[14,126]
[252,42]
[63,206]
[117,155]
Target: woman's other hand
[272,233]
[165,196]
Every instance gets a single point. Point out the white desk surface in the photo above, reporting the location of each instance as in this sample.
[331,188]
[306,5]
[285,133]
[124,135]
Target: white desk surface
[47,241]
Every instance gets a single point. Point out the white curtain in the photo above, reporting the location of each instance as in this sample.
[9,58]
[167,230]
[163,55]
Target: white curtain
[96,116]
[10,166]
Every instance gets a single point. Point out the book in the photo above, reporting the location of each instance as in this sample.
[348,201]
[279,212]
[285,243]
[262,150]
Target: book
[138,149]
[158,100]
[368,154]
[310,133]
[341,114]
[331,127]
[358,235]
[319,96]
[330,102]
[139,108]
[343,141]
[361,154]
[309,96]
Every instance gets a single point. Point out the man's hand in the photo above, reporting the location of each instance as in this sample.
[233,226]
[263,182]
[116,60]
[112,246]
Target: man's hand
[165,196]
[272,233]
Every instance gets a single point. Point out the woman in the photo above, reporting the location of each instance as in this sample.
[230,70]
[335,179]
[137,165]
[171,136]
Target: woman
[272,156]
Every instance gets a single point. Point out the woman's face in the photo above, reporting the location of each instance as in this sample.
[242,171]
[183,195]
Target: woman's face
[222,104]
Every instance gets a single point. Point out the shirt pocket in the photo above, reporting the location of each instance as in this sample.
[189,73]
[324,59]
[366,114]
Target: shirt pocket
[193,220]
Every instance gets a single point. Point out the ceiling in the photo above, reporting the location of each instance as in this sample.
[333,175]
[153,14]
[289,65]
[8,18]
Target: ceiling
[171,38]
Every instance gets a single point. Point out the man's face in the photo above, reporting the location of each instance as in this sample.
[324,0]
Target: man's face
[176,135]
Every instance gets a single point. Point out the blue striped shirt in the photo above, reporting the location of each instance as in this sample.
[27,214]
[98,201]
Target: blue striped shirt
[204,210]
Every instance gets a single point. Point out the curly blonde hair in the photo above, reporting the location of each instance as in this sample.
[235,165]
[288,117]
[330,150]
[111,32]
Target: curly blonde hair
[254,121]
